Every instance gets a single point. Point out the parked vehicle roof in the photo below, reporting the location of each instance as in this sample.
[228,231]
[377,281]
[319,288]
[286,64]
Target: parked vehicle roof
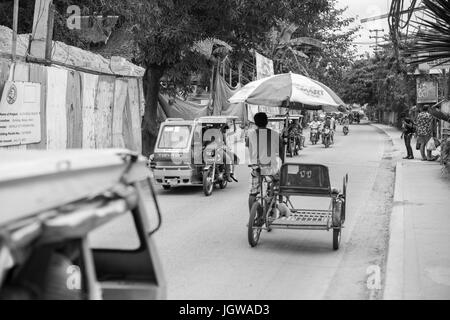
[28,163]
[37,181]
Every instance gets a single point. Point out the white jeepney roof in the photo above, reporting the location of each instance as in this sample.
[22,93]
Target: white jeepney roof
[35,181]
[25,164]
[216,119]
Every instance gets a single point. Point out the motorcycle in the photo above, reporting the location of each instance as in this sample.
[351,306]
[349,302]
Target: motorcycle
[214,171]
[327,137]
[346,130]
[293,145]
[314,135]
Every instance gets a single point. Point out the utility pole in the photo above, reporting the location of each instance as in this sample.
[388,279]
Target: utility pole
[42,29]
[15,25]
[376,37]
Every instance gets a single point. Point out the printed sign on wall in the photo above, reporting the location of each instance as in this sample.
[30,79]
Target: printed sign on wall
[264,69]
[20,114]
[427,91]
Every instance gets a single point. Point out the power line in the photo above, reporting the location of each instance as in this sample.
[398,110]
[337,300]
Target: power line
[386,15]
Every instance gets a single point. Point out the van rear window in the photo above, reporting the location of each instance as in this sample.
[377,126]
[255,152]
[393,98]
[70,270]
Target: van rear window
[174,137]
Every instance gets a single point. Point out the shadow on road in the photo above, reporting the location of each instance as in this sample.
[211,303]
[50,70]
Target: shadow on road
[181,191]
[284,242]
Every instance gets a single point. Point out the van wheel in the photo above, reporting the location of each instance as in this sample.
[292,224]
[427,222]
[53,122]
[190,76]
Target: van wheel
[166,187]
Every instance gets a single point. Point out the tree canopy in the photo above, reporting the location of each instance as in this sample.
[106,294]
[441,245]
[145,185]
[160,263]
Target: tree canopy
[160,35]
[379,82]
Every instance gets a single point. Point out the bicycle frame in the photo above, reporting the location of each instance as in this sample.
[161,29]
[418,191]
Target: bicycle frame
[267,196]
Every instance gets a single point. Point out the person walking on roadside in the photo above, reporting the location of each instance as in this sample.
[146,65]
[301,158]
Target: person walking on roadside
[424,132]
[408,131]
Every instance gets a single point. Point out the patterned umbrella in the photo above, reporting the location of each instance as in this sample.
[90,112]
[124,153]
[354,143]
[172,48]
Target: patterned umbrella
[276,90]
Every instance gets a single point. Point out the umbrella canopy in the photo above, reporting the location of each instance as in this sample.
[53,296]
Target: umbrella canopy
[331,93]
[275,90]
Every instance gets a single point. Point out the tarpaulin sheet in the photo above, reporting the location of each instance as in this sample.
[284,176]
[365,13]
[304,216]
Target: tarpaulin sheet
[221,106]
[330,109]
[177,108]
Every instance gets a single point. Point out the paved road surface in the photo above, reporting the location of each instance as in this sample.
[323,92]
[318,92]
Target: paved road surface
[203,241]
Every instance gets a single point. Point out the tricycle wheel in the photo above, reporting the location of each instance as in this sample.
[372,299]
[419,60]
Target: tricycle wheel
[344,192]
[336,238]
[255,220]
[337,214]
[166,187]
[208,183]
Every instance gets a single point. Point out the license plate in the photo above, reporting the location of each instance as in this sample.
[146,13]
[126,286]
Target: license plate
[172,181]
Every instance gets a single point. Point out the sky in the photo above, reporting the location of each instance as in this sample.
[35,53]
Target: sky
[366,9]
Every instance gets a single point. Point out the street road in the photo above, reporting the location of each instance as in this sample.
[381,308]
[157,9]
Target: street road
[203,240]
[204,248]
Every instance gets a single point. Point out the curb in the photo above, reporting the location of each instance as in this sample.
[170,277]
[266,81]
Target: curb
[393,289]
[394,282]
[388,135]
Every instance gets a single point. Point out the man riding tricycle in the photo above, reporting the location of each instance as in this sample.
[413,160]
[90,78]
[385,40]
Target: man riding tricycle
[273,185]
[280,91]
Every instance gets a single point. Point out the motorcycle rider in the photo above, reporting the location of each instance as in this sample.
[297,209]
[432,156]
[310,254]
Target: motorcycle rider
[346,122]
[295,129]
[228,156]
[315,124]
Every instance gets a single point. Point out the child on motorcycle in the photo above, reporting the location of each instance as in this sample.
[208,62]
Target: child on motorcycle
[329,125]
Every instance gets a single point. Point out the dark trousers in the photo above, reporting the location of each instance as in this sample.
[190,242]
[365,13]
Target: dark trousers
[409,149]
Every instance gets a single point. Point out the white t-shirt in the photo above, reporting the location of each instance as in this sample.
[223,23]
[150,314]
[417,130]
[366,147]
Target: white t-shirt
[314,125]
[267,141]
